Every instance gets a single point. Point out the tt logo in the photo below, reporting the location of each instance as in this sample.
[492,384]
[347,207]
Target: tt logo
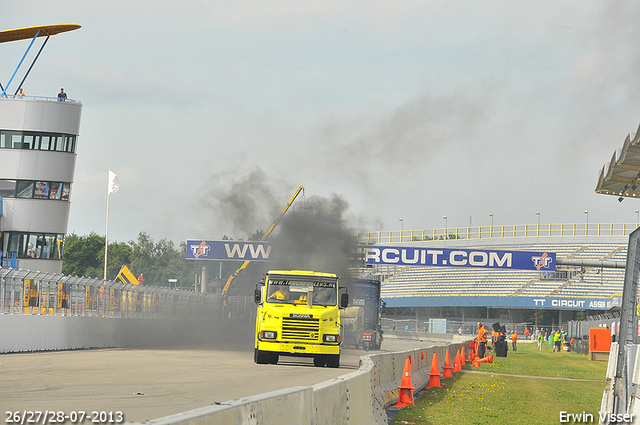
[541,261]
[200,250]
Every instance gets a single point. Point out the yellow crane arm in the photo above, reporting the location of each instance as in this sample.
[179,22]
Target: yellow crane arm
[264,238]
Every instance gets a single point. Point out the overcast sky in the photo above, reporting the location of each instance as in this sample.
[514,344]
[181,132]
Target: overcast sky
[212,113]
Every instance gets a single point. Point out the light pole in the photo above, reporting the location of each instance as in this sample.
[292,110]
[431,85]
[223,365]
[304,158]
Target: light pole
[491,229]
[538,214]
[637,217]
[401,227]
[586,230]
[445,226]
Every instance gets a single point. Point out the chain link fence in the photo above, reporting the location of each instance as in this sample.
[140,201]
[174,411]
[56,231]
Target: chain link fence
[51,294]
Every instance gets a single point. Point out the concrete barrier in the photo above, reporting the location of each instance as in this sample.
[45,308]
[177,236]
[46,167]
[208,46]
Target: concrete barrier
[357,398]
[291,406]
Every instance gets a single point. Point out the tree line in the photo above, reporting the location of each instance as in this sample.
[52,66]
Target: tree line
[158,261]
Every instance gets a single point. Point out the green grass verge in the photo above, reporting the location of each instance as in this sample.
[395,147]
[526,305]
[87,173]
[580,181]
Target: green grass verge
[473,398]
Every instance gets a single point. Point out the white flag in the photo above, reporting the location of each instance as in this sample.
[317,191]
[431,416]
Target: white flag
[114,185]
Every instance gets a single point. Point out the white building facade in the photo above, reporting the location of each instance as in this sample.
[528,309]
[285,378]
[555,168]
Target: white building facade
[38,142]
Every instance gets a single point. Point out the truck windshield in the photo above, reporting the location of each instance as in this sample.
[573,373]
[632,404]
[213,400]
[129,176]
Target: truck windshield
[297,292]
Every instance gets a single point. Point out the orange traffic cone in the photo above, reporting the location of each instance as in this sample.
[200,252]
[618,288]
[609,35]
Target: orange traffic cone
[434,375]
[473,345]
[462,363]
[457,363]
[486,359]
[473,350]
[405,397]
[446,369]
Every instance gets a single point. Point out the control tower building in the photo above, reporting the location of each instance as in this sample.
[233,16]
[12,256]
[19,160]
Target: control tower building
[38,141]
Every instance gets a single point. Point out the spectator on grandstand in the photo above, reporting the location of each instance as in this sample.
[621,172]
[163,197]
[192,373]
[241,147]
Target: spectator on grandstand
[514,339]
[526,333]
[460,330]
[394,326]
[482,340]
[540,338]
[406,327]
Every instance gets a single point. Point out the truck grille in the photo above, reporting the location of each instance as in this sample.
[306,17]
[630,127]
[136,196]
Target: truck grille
[300,329]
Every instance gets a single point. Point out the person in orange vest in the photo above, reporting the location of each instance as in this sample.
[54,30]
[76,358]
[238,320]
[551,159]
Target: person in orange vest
[482,340]
[514,339]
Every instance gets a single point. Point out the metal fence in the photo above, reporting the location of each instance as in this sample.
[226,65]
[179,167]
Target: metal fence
[580,328]
[38,293]
[455,326]
[505,231]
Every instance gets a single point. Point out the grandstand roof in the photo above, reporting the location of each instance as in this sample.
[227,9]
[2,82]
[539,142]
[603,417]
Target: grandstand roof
[621,177]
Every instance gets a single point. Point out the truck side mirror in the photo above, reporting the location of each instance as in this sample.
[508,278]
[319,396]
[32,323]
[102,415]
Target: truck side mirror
[344,301]
[257,296]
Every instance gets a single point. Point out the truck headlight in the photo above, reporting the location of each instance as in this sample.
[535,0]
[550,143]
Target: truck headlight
[268,334]
[331,338]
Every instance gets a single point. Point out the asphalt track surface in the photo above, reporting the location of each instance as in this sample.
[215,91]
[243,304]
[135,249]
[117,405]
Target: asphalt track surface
[147,384]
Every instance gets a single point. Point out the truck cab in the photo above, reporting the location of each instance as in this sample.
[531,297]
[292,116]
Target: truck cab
[298,315]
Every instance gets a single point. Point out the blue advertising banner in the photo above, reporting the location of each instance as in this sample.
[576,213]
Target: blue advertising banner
[554,303]
[420,256]
[228,250]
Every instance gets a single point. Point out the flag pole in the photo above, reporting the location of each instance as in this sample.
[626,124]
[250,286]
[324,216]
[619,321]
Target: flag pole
[106,237]
[113,187]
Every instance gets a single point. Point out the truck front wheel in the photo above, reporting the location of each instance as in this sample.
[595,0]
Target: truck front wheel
[273,358]
[333,360]
[261,357]
[320,361]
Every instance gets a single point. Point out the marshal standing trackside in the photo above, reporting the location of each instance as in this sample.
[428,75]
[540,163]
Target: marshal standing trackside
[52,417]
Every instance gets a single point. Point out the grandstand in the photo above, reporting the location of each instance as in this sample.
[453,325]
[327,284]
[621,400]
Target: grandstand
[567,289]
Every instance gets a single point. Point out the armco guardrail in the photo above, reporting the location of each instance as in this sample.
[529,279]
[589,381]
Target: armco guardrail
[358,398]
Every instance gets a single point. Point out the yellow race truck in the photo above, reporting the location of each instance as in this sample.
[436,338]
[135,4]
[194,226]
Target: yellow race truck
[298,315]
